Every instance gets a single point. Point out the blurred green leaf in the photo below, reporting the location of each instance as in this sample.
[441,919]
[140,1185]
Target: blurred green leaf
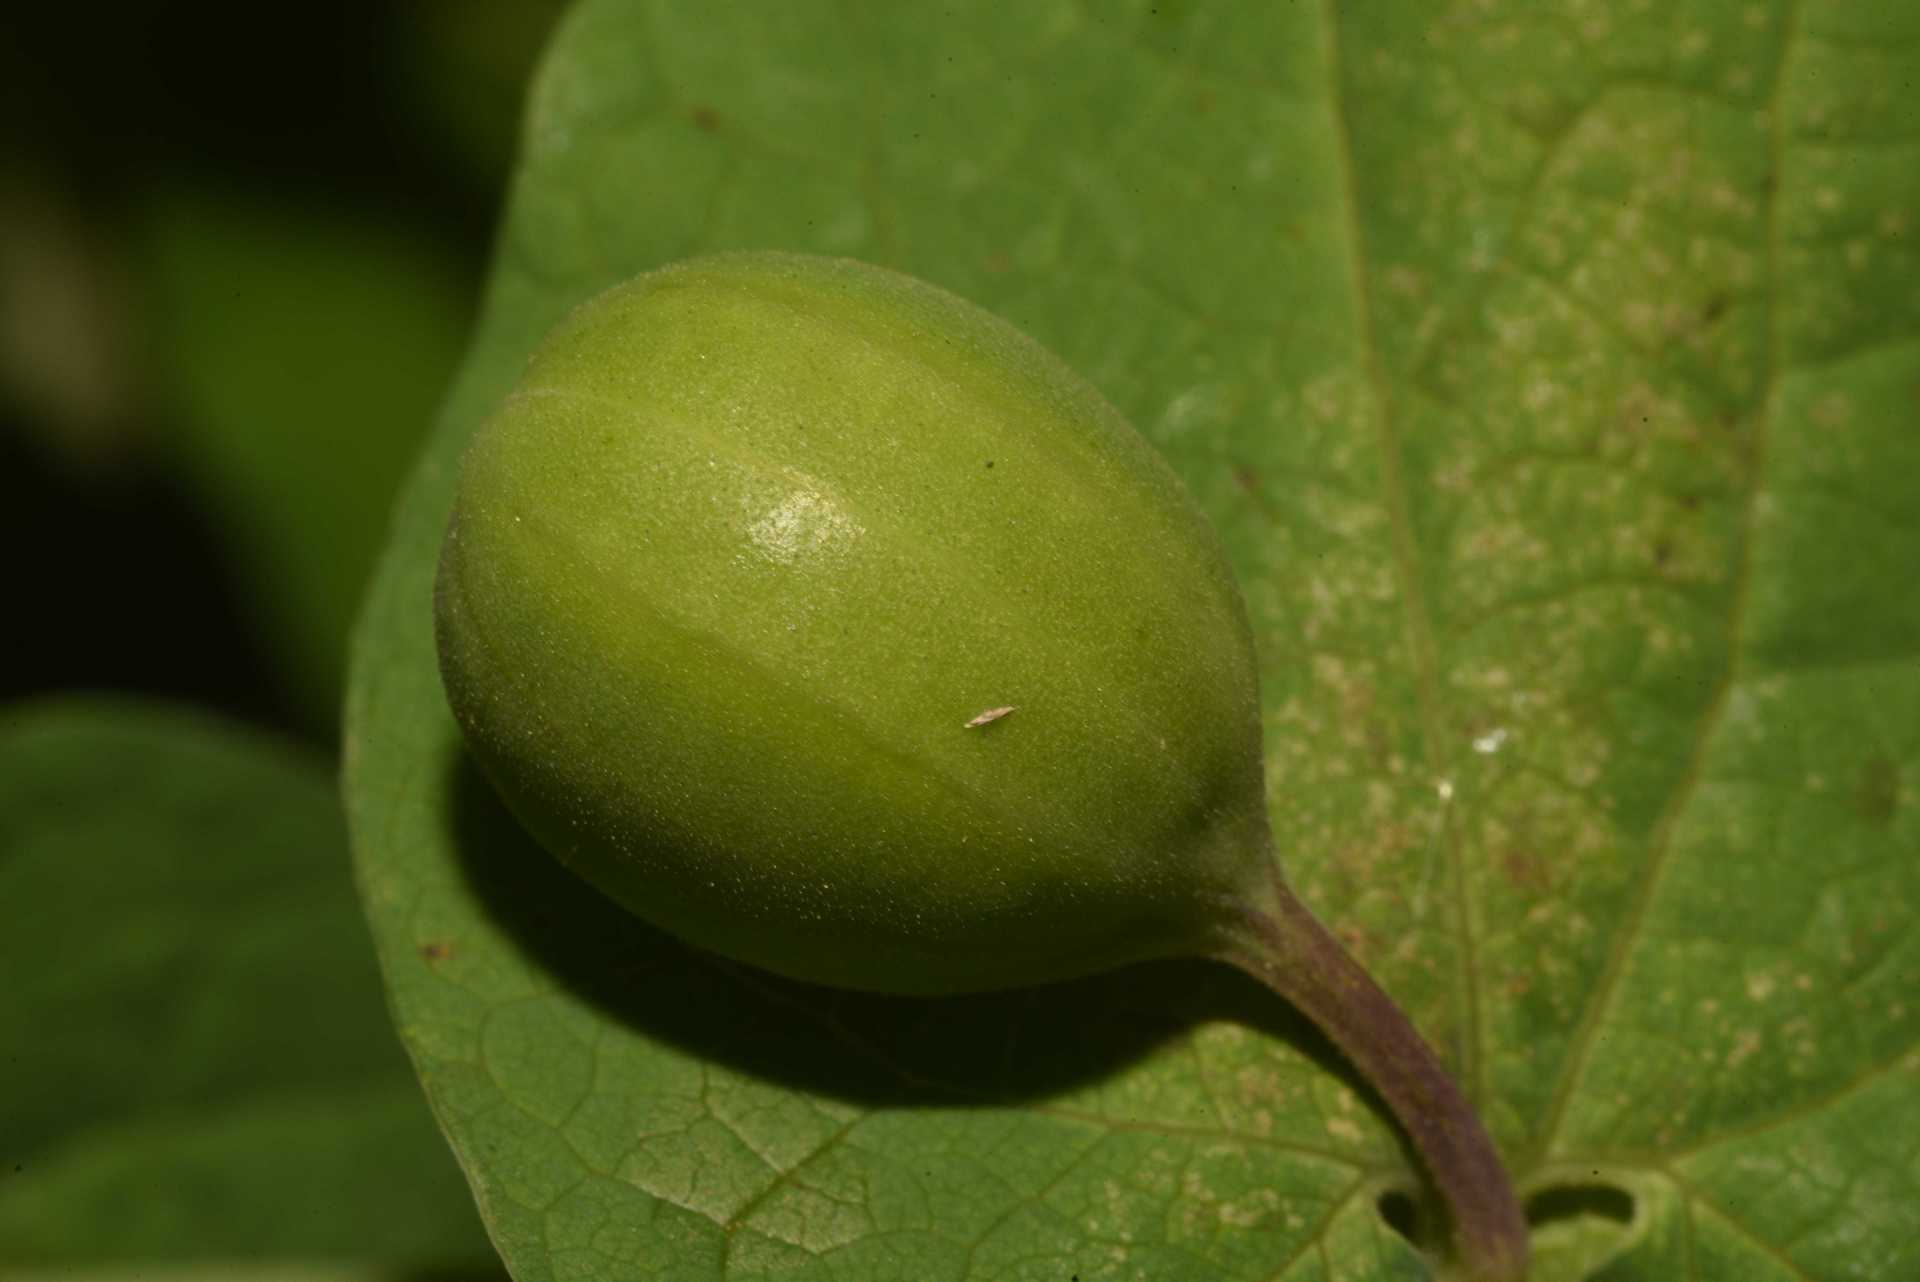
[196,1063]
[299,350]
[1551,377]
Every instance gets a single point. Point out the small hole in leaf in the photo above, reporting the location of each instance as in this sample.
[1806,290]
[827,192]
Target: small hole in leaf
[1401,1211]
[1579,1201]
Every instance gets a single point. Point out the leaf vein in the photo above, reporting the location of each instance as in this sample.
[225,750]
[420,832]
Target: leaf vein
[1661,843]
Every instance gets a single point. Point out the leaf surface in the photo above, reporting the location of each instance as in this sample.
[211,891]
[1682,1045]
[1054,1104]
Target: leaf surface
[1551,376]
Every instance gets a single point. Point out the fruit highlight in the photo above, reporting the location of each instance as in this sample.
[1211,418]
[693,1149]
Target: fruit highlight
[827,622]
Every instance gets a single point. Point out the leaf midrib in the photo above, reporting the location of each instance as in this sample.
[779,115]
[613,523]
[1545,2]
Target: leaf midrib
[1416,616]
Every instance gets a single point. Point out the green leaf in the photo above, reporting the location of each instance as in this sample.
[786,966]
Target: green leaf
[299,350]
[1550,374]
[196,1068]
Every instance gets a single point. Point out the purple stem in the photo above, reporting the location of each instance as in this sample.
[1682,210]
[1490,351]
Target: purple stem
[1292,953]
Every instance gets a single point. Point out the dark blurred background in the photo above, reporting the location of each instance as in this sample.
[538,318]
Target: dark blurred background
[240,249]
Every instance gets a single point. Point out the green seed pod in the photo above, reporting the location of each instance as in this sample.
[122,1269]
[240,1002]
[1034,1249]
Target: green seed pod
[829,623]
[737,568]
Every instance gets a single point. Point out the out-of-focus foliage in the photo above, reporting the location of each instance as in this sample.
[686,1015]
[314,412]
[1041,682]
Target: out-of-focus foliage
[231,288]
[299,352]
[66,330]
[197,1068]
[238,252]
[465,72]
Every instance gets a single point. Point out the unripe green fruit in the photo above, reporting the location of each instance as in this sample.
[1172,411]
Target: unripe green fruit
[829,623]
[752,543]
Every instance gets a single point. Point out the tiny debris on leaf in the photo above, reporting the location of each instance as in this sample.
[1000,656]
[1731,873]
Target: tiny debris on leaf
[991,714]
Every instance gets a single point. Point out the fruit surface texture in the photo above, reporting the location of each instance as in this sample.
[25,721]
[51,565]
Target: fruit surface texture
[736,574]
